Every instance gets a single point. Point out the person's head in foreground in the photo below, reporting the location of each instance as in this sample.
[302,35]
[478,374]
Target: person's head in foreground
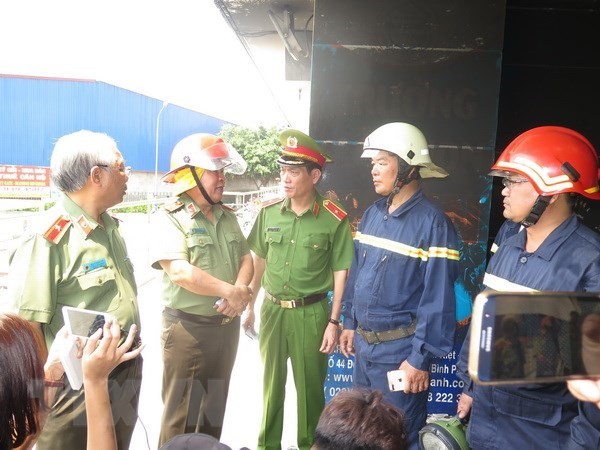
[195,441]
[21,400]
[360,419]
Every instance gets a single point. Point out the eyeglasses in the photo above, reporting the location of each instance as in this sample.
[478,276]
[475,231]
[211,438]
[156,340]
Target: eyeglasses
[125,170]
[508,183]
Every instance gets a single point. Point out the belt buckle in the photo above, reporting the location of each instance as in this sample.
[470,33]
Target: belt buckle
[225,320]
[287,304]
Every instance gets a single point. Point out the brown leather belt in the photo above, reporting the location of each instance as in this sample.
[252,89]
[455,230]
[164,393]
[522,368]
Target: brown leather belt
[296,302]
[376,337]
[196,318]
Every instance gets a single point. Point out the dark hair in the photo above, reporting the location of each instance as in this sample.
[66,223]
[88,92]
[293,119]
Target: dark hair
[360,419]
[310,166]
[21,380]
[299,162]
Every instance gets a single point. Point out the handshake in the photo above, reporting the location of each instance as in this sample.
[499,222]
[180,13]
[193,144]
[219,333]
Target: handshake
[236,301]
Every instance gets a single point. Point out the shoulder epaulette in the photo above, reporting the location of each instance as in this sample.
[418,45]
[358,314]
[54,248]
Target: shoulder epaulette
[335,210]
[84,225]
[176,206]
[57,230]
[272,201]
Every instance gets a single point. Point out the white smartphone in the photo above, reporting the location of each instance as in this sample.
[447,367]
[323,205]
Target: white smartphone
[534,337]
[396,380]
[72,365]
[84,322]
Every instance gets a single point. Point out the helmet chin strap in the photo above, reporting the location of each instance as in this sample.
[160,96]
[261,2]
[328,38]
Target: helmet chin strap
[408,174]
[202,190]
[540,205]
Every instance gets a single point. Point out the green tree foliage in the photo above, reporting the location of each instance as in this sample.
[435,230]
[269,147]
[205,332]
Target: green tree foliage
[259,147]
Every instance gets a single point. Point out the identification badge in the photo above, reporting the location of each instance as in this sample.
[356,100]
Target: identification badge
[94,265]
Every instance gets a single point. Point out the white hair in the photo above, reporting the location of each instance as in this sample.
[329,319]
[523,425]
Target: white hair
[75,154]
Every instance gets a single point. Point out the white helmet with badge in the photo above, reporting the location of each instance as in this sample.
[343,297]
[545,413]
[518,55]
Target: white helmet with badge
[407,142]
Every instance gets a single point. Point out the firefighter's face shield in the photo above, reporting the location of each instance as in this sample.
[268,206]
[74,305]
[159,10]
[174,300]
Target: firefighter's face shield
[219,156]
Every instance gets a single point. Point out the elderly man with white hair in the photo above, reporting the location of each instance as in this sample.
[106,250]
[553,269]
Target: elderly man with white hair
[75,256]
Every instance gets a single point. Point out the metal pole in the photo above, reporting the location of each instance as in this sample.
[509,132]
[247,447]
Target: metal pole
[156,150]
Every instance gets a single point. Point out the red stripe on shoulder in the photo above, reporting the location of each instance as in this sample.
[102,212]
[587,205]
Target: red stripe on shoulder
[58,229]
[334,209]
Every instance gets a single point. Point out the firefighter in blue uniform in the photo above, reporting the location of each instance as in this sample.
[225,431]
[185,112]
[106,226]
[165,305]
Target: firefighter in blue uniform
[541,247]
[400,291]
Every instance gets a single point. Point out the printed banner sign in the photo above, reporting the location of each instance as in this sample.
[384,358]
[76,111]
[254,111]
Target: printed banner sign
[24,181]
[444,386]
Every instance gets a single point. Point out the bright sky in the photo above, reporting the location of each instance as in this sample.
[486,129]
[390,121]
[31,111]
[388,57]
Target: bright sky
[180,51]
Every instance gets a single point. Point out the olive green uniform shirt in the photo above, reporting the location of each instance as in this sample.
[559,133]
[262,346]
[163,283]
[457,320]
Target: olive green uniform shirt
[301,251]
[182,232]
[71,260]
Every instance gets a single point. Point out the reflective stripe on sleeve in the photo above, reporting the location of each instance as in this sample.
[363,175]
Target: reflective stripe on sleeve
[500,284]
[407,250]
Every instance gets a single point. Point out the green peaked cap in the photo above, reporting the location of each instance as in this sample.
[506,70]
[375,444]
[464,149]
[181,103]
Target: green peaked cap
[299,148]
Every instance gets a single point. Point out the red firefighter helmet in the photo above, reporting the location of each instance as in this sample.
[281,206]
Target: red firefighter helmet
[554,159]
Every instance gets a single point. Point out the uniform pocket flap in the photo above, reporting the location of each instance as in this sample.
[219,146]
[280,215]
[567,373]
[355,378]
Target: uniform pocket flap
[233,237]
[196,240]
[316,242]
[274,237]
[527,408]
[95,278]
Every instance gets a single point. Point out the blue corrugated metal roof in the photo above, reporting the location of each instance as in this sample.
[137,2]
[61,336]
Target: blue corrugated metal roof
[34,112]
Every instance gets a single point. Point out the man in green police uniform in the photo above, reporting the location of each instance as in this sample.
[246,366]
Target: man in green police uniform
[205,259]
[303,246]
[77,257]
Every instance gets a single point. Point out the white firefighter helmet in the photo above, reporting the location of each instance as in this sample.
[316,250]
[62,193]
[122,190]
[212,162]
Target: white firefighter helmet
[204,151]
[406,141]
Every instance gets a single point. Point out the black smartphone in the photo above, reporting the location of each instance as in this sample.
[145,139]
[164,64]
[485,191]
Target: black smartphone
[534,337]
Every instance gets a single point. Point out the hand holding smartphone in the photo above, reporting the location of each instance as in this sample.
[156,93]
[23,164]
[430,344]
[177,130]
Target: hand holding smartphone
[81,323]
[84,322]
[534,337]
[396,380]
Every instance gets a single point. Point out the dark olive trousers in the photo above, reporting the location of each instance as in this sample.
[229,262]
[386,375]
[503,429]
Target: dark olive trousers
[197,364]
